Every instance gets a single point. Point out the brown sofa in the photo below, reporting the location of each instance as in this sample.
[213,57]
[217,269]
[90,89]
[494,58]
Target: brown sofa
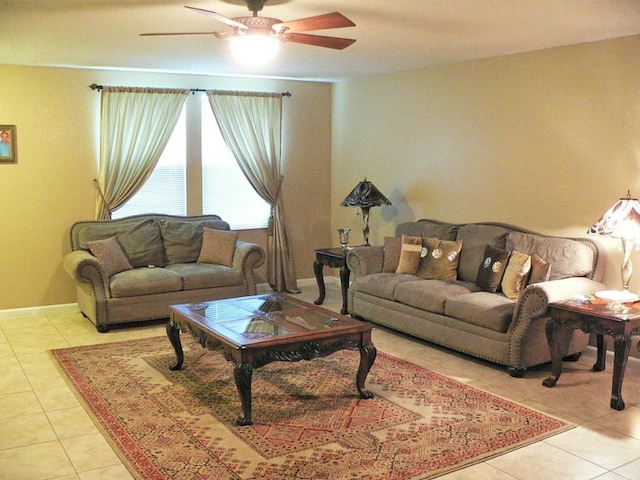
[459,310]
[142,264]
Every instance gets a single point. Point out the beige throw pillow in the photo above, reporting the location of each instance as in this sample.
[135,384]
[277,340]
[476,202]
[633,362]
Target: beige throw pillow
[540,269]
[409,254]
[218,247]
[440,259]
[110,254]
[516,274]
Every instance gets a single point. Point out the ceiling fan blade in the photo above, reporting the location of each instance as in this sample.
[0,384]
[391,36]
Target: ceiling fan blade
[221,18]
[156,34]
[317,40]
[319,22]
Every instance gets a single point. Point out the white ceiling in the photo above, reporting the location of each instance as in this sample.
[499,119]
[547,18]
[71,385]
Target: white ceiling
[391,35]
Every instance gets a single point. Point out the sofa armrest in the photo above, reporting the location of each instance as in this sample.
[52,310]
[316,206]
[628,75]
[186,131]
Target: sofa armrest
[246,258]
[530,314]
[365,260]
[85,268]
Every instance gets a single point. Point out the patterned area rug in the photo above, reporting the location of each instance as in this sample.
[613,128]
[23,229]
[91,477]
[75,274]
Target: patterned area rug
[309,421]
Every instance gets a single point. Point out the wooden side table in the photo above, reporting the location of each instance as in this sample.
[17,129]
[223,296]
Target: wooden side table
[335,258]
[597,318]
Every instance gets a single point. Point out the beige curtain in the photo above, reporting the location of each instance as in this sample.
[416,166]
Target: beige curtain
[251,125]
[136,124]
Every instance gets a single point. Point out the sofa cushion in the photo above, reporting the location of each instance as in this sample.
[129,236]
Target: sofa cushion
[140,240]
[428,228]
[568,258]
[491,270]
[206,275]
[440,259]
[110,254]
[142,243]
[381,285]
[516,274]
[484,309]
[144,281]
[218,247]
[431,295]
[391,254]
[474,238]
[540,270]
[409,254]
[183,239]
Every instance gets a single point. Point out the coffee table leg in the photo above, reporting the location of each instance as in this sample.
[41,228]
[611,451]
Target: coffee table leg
[242,373]
[173,333]
[368,355]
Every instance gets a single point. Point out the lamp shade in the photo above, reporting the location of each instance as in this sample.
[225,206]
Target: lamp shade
[622,220]
[365,194]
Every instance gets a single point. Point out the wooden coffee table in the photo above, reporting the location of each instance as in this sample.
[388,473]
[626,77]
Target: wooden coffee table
[256,330]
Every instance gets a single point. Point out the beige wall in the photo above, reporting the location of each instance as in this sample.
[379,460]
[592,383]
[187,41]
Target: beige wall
[57,119]
[547,140]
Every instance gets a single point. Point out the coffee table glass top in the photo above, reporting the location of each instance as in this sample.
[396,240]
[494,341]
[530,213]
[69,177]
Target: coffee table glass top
[261,317]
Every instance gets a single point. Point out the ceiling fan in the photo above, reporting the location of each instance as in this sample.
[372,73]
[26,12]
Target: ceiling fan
[276,28]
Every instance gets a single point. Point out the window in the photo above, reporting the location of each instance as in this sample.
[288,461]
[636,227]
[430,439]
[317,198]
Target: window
[225,189]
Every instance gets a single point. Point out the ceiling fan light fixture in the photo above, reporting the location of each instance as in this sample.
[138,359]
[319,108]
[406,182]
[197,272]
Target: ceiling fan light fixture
[254,48]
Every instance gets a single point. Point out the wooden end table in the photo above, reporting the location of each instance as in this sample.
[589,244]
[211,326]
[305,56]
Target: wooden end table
[335,258]
[256,330]
[594,317]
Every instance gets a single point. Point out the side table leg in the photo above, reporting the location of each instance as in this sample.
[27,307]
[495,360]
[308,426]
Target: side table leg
[558,338]
[317,269]
[368,355]
[173,333]
[242,373]
[345,273]
[601,359]
[621,347]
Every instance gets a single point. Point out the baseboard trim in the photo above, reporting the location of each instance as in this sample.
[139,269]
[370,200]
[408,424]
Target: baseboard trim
[62,309]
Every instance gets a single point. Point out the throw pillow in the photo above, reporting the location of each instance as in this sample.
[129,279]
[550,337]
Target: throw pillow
[516,274]
[409,254]
[441,259]
[492,268]
[218,246]
[110,254]
[540,269]
[391,254]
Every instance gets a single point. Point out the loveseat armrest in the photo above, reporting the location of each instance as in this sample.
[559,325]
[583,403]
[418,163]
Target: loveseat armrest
[365,260]
[85,268]
[246,258]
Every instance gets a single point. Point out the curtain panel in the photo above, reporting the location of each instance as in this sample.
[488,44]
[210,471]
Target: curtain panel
[251,125]
[135,126]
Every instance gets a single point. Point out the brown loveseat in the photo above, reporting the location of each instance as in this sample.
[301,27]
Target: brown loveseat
[132,269]
[454,301]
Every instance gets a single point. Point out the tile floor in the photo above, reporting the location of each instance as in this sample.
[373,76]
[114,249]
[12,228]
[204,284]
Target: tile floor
[46,434]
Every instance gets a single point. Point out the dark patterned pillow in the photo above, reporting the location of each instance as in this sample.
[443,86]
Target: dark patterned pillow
[491,270]
[440,259]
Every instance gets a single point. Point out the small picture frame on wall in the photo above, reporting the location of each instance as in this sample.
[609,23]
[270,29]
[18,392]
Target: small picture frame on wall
[8,144]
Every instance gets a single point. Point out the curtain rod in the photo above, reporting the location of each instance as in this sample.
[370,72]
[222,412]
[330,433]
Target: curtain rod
[95,86]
